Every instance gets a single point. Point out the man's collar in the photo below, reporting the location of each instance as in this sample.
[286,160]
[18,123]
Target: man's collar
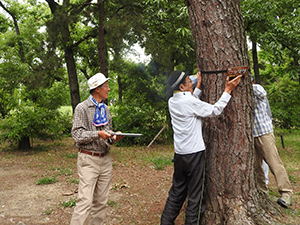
[181,93]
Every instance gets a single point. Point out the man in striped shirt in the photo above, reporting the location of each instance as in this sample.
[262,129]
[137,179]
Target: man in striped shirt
[265,149]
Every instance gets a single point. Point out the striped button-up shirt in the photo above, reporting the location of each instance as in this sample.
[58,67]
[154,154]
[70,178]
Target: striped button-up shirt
[85,133]
[262,121]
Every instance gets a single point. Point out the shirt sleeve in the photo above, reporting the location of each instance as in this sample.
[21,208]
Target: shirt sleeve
[197,93]
[259,92]
[204,109]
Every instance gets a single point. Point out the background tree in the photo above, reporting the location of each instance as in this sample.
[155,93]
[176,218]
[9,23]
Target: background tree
[167,35]
[30,70]
[275,27]
[61,50]
[143,109]
[219,35]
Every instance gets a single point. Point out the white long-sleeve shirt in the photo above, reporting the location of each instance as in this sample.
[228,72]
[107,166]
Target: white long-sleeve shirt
[186,112]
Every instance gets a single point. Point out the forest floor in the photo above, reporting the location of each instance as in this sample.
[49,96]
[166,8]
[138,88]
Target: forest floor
[138,192]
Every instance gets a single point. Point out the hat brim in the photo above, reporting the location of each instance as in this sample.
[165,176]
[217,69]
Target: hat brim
[91,88]
[178,82]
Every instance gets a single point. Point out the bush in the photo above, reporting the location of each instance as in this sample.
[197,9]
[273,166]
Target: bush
[31,121]
[284,100]
[137,116]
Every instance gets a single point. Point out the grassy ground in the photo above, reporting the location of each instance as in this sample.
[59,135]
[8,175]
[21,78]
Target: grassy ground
[39,186]
[288,144]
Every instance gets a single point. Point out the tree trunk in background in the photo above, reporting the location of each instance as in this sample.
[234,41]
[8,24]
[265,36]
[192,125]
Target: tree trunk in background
[24,143]
[72,74]
[101,40]
[296,64]
[61,23]
[231,196]
[255,62]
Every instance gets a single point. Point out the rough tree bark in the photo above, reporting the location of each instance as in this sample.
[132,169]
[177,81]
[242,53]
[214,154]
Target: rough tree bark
[231,197]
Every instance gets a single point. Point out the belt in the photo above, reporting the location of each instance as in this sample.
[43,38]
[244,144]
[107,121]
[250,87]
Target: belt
[93,153]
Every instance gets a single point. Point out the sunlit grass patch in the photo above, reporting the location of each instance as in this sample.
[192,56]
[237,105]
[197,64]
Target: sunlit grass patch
[73,181]
[111,203]
[70,203]
[161,162]
[70,155]
[47,180]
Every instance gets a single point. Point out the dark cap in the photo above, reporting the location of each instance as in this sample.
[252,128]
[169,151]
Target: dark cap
[176,78]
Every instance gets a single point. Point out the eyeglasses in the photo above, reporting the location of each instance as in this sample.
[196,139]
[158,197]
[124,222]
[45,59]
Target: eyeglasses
[104,85]
[188,82]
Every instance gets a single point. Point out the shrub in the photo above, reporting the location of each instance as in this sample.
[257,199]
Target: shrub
[32,121]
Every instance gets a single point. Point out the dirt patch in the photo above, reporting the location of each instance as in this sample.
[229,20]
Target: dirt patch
[137,196]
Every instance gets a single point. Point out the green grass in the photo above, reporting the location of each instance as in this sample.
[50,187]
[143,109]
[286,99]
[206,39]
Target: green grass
[47,180]
[71,155]
[48,211]
[161,162]
[69,203]
[111,203]
[73,181]
[159,156]
[290,154]
[58,160]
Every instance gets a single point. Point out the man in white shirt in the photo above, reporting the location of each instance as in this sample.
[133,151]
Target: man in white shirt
[186,112]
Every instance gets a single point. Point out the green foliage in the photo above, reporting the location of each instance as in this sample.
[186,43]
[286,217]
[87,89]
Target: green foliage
[168,35]
[138,116]
[275,25]
[284,100]
[47,180]
[143,108]
[30,120]
[32,77]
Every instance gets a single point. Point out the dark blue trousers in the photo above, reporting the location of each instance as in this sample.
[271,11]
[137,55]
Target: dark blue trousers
[188,182]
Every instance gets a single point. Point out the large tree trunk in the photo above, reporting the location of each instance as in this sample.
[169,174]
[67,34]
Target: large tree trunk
[231,196]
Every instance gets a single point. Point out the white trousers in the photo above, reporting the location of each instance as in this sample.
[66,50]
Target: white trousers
[266,170]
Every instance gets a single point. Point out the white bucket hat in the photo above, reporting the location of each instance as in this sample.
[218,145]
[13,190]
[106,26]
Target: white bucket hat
[97,80]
